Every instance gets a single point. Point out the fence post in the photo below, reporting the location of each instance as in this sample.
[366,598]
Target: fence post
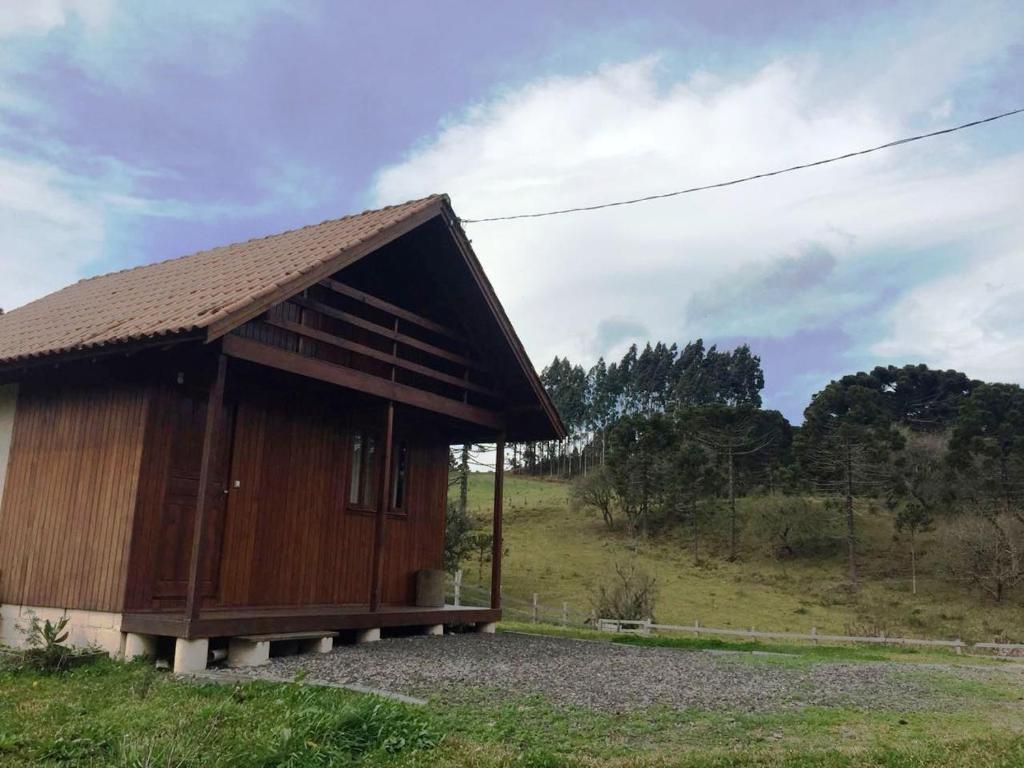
[814,635]
[535,612]
[696,628]
[959,646]
[565,614]
[752,638]
[458,588]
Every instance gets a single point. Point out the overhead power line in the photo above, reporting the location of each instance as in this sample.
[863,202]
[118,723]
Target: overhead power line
[744,179]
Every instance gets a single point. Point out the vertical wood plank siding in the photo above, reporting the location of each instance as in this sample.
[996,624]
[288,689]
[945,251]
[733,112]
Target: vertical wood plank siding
[69,499]
[288,537]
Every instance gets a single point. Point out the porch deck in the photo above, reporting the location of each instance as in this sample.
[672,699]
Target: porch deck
[234,622]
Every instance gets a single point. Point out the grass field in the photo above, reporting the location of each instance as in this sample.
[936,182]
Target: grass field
[131,715]
[560,552]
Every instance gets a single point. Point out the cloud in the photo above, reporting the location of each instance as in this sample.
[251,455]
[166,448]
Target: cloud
[972,320]
[614,333]
[727,262]
[51,231]
[790,293]
[38,17]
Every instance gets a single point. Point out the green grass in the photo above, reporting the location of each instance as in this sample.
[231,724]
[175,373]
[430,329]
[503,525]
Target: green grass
[130,715]
[560,553]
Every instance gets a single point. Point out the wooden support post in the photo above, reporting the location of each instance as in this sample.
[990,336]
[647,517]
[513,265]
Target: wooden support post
[214,404]
[383,500]
[496,543]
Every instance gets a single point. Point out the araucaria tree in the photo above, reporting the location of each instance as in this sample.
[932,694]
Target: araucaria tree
[730,433]
[845,447]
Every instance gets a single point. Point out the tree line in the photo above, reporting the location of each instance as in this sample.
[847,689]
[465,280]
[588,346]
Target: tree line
[670,438]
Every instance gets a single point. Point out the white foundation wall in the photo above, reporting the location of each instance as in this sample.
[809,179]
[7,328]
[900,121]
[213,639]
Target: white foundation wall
[8,402]
[86,628]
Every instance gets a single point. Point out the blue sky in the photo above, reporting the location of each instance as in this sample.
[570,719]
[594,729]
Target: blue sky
[134,132]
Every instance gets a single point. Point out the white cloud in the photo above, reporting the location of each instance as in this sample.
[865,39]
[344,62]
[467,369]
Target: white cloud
[51,232]
[972,320]
[35,17]
[619,133]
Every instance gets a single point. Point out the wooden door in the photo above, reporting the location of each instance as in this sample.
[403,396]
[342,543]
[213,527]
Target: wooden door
[178,511]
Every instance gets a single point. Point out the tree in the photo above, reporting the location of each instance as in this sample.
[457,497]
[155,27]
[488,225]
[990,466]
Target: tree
[987,553]
[911,521]
[639,463]
[730,433]
[923,477]
[988,443]
[595,490]
[458,537]
[921,398]
[920,489]
[845,446]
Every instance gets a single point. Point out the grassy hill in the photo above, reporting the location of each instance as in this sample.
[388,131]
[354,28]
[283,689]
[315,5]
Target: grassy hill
[560,552]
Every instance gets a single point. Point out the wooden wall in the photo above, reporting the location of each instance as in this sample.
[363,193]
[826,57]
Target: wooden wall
[69,497]
[8,403]
[288,537]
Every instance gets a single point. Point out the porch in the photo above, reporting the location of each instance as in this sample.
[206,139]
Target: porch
[216,622]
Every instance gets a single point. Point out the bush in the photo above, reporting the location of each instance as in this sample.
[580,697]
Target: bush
[45,649]
[458,537]
[628,594]
[596,491]
[793,526]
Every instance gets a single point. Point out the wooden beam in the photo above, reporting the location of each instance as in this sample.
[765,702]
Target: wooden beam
[498,311]
[274,357]
[394,309]
[384,357]
[387,333]
[214,404]
[496,534]
[231,320]
[383,499]
[224,623]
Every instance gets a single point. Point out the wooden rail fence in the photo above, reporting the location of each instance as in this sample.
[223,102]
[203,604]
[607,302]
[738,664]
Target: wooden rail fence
[646,626]
[535,611]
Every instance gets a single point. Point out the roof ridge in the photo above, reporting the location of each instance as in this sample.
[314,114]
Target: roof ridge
[431,197]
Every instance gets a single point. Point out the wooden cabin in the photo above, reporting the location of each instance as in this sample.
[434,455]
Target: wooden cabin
[253,441]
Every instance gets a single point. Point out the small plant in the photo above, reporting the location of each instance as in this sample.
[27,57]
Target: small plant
[46,650]
[629,595]
[45,646]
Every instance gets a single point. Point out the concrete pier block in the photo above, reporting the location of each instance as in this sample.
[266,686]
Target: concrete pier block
[317,645]
[368,635]
[248,653]
[433,629]
[136,645]
[190,655]
[486,627]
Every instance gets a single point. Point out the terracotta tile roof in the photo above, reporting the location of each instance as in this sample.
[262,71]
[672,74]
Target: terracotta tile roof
[189,293]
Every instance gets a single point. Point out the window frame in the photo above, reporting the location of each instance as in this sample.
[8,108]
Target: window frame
[366,437]
[400,468]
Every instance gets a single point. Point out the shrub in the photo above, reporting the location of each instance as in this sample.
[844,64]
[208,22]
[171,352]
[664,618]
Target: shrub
[458,537]
[628,594]
[793,526]
[596,491]
[45,647]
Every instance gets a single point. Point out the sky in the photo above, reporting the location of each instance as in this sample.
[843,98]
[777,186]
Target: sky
[133,132]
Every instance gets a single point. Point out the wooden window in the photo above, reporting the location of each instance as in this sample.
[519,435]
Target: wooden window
[363,470]
[400,476]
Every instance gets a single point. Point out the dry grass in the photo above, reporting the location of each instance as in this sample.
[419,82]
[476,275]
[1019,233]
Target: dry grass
[560,552]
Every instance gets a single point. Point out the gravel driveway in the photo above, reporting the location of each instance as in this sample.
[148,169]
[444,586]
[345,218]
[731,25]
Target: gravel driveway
[612,677]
